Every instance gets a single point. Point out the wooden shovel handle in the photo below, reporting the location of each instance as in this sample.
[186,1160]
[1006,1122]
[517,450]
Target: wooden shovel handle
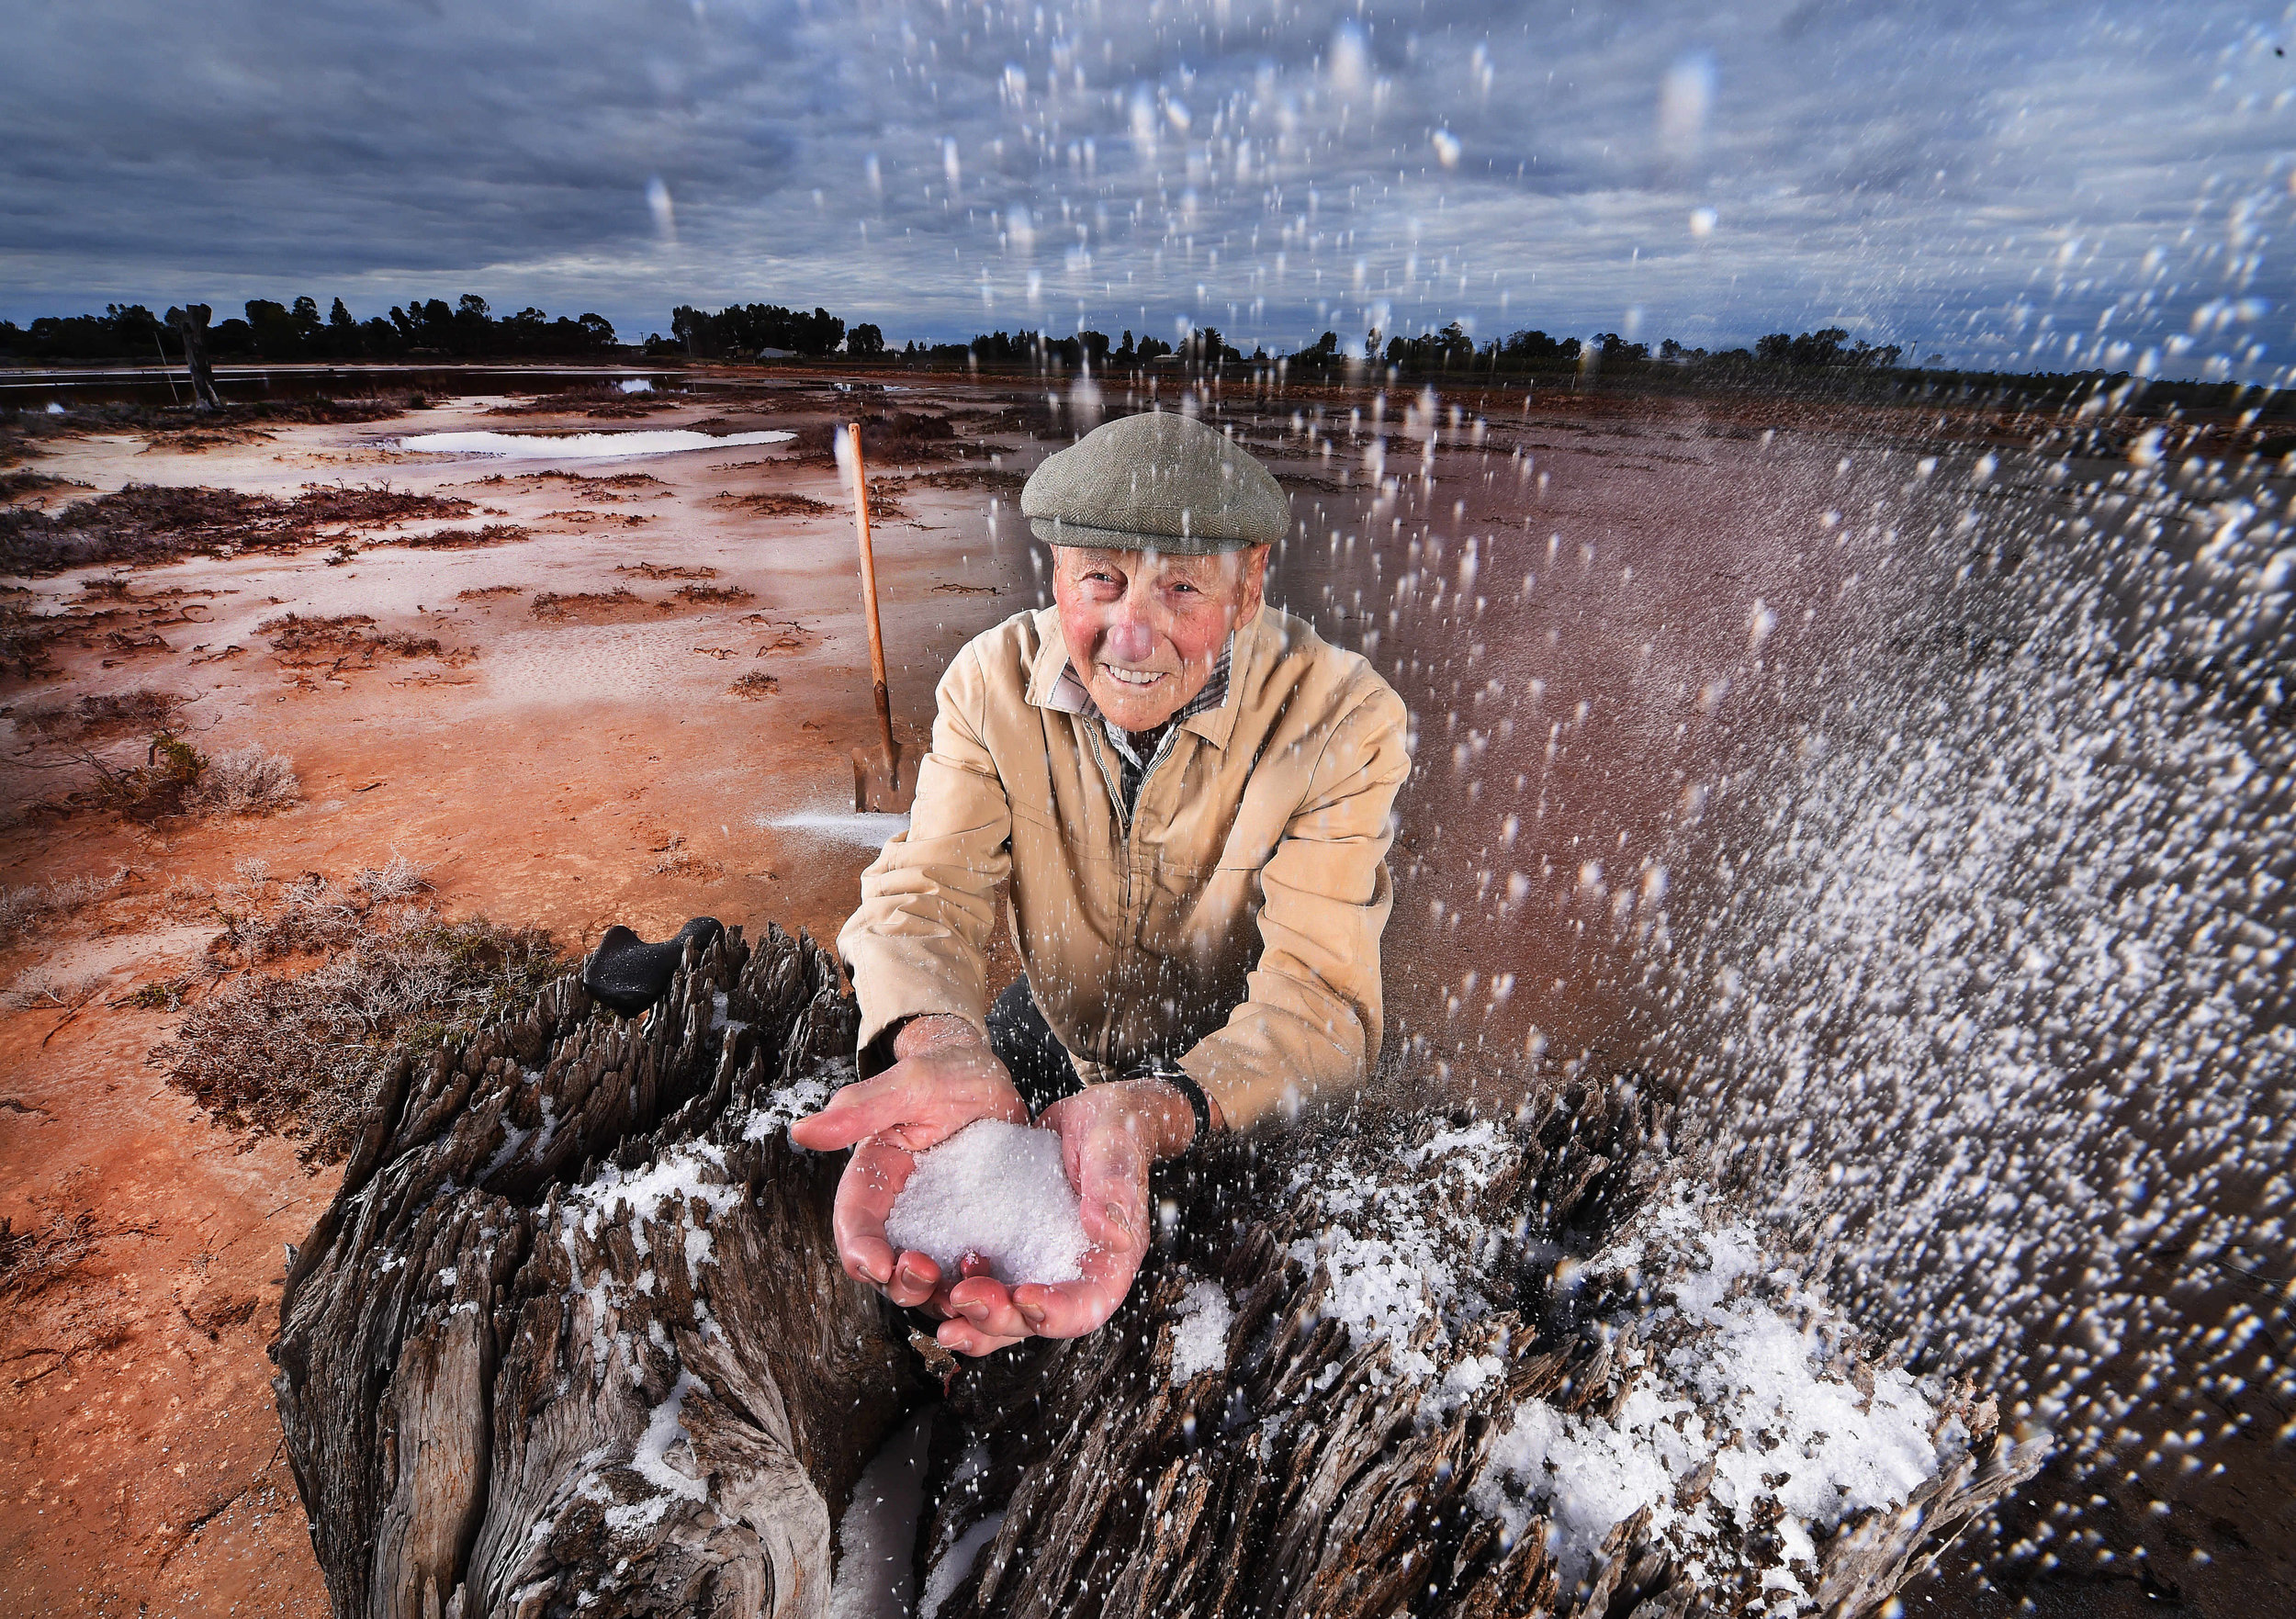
[869,592]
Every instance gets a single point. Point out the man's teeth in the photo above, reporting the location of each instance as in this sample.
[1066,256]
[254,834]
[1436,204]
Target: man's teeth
[1131,676]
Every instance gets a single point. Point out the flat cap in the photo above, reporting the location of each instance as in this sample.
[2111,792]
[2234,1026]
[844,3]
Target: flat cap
[1158,482]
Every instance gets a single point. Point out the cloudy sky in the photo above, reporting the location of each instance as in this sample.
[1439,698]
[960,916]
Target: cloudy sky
[2009,183]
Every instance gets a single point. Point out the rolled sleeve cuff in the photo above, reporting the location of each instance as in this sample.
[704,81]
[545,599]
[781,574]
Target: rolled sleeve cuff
[896,994]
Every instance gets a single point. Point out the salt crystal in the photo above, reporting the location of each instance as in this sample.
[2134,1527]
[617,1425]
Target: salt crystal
[997,1191]
[1200,1341]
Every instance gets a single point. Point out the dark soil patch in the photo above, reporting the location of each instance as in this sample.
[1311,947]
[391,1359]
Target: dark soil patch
[755,684]
[650,570]
[973,477]
[551,604]
[14,486]
[462,539]
[185,427]
[145,524]
[591,486]
[712,595]
[604,400]
[304,640]
[322,505]
[898,435]
[778,505]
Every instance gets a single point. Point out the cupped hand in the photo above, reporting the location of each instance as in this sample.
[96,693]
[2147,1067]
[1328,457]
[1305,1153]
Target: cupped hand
[1110,1136]
[946,1077]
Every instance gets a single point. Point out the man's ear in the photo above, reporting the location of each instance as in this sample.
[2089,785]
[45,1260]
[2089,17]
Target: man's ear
[1253,583]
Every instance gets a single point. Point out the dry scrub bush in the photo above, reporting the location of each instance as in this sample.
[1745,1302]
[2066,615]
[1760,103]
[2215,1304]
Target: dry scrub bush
[551,604]
[305,636]
[704,595]
[176,779]
[757,683]
[399,879]
[301,1055]
[774,504]
[247,781]
[264,919]
[32,1262]
[104,715]
[15,485]
[145,524]
[23,908]
[461,539]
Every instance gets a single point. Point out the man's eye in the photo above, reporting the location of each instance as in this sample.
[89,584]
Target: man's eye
[1184,585]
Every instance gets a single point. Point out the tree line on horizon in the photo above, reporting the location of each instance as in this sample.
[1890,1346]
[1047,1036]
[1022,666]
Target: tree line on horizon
[465,330]
[469,330]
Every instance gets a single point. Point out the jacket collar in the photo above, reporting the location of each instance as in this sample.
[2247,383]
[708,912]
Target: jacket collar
[1052,685]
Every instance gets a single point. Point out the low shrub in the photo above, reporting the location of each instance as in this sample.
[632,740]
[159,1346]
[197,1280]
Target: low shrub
[249,780]
[301,1055]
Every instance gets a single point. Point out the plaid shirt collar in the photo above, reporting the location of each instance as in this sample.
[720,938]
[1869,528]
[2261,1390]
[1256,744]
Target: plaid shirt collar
[1069,696]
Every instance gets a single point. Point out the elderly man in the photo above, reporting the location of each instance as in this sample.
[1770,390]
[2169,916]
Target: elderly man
[1188,794]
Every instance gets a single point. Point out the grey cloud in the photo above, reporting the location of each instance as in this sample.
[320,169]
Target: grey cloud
[1911,174]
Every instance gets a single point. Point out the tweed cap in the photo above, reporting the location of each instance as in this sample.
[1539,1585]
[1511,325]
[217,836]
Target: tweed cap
[1158,482]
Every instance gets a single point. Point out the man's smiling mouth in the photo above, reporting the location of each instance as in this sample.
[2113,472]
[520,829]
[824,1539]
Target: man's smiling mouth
[1131,676]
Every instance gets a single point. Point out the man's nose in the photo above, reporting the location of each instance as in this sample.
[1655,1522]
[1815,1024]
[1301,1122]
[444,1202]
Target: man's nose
[1130,640]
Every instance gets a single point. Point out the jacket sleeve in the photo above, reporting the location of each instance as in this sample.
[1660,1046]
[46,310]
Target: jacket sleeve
[1310,1020]
[917,943]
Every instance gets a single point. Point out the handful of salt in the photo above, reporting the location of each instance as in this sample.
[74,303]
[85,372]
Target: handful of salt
[998,1192]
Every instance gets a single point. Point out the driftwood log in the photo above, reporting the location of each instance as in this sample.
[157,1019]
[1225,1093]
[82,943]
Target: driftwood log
[572,1339]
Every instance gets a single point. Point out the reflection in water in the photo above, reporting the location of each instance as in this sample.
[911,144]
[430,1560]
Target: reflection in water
[580,447]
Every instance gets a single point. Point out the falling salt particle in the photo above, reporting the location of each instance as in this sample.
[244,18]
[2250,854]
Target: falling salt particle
[1200,1341]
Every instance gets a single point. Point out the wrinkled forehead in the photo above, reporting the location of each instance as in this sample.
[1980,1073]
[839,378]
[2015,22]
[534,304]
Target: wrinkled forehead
[1076,560]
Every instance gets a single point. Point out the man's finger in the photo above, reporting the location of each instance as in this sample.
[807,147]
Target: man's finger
[965,1338]
[986,1303]
[915,1280]
[864,1197]
[1070,1309]
[857,1111]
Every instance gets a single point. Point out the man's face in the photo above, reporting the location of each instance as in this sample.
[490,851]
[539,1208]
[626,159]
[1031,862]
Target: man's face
[1143,630]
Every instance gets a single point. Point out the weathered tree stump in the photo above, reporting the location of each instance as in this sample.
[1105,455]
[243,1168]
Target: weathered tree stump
[191,325]
[574,1330]
[573,1338]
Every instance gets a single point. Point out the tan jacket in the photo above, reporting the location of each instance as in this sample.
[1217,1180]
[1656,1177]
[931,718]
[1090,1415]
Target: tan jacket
[1233,924]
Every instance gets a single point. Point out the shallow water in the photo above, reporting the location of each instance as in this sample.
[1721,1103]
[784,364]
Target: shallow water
[580,447]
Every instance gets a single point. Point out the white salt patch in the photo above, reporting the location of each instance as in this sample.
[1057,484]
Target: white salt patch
[580,447]
[651,1462]
[999,1191]
[787,1105]
[677,1173]
[877,1536]
[1394,1250]
[868,830]
[636,385]
[1746,1367]
[940,1584]
[1199,1344]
